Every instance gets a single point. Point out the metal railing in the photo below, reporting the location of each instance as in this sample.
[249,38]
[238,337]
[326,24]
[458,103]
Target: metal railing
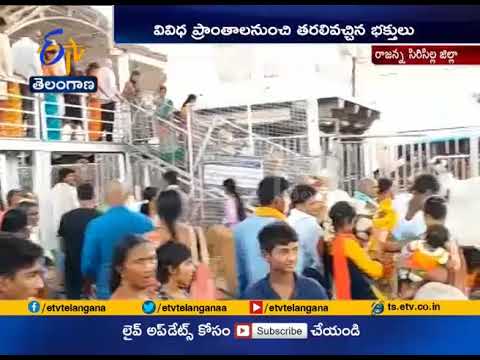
[49,117]
[19,114]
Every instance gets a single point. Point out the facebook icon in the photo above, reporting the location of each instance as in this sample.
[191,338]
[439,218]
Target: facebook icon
[34,306]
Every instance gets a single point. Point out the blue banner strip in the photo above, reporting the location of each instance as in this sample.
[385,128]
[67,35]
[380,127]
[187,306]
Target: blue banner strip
[208,335]
[297,24]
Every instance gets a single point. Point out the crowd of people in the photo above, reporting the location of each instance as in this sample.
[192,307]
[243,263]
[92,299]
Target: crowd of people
[20,60]
[304,241]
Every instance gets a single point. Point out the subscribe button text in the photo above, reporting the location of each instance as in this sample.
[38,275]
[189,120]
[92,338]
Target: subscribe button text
[271,331]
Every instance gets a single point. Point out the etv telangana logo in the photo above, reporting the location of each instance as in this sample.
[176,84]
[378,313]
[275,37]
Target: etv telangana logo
[69,52]
[51,53]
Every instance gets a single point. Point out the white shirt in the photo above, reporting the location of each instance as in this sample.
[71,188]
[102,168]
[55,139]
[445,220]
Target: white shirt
[63,199]
[6,57]
[107,85]
[463,210]
[6,63]
[407,230]
[26,59]
[334,196]
[447,181]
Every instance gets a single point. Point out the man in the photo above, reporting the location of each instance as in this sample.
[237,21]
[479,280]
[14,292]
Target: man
[26,63]
[171,178]
[444,176]
[302,219]
[72,231]
[104,233]
[63,198]
[279,245]
[364,197]
[33,216]
[323,181]
[274,203]
[21,268]
[411,223]
[108,94]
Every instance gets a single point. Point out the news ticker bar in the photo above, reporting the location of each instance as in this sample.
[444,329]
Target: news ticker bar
[237,308]
[426,55]
[368,24]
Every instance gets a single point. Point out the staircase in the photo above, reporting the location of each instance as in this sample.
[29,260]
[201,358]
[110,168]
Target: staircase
[164,145]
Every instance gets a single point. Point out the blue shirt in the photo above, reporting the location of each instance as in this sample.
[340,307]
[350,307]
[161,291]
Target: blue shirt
[251,265]
[309,233]
[102,236]
[305,289]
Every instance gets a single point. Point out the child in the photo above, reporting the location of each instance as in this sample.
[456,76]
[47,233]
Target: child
[352,268]
[386,218]
[423,256]
[384,221]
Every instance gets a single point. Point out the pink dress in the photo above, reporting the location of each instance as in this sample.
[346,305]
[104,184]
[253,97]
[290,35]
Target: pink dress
[230,211]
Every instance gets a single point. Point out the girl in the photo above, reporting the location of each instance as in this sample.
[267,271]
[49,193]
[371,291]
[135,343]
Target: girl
[134,269]
[175,271]
[352,268]
[233,209]
[189,103]
[169,209]
[148,197]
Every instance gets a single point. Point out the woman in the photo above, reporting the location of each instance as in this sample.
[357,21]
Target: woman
[16,221]
[169,209]
[134,268]
[233,209]
[94,105]
[352,268]
[188,104]
[148,197]
[169,227]
[131,89]
[175,271]
[53,102]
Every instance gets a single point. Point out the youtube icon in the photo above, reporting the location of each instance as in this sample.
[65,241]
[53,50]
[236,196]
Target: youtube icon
[243,331]
[256,307]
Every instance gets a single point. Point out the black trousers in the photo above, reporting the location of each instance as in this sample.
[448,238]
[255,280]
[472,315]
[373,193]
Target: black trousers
[110,117]
[73,278]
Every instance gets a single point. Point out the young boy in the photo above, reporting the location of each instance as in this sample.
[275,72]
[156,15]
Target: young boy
[21,268]
[279,246]
[424,255]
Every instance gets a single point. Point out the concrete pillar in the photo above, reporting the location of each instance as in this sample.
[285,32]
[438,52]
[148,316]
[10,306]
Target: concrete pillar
[474,156]
[42,184]
[313,128]
[123,70]
[11,167]
[3,178]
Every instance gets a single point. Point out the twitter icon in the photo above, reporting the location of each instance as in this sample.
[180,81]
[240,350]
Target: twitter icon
[149,307]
